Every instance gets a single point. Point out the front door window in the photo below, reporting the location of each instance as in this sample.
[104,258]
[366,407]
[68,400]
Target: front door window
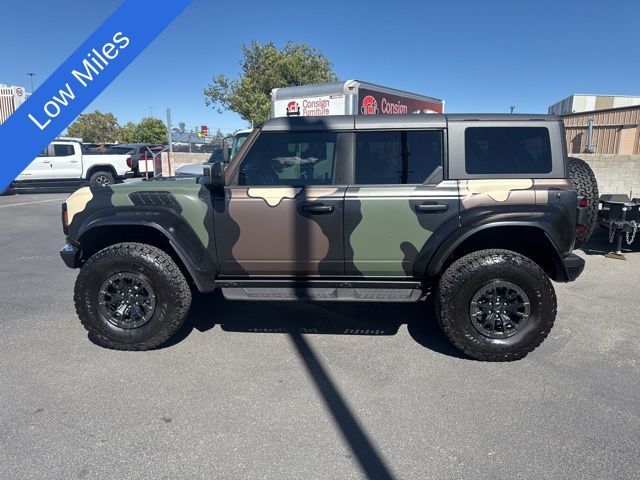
[295,159]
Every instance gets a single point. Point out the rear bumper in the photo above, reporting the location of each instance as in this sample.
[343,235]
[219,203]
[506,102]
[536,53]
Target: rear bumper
[573,266]
[70,255]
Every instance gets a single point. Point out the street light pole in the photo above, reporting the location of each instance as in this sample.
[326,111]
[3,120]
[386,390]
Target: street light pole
[169,138]
[31,75]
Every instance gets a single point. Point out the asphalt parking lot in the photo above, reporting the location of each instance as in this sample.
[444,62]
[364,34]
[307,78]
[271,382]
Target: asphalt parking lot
[296,390]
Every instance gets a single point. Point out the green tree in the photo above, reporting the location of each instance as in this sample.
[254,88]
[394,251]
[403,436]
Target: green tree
[265,67]
[128,133]
[96,127]
[151,130]
[218,137]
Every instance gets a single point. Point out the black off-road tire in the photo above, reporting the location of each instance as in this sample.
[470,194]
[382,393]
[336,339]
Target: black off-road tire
[172,292]
[101,178]
[584,181]
[474,271]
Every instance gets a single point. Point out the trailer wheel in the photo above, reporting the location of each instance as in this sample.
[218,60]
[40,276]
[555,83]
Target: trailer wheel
[584,181]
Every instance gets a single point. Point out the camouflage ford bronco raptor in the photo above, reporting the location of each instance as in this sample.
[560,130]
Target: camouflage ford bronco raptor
[476,211]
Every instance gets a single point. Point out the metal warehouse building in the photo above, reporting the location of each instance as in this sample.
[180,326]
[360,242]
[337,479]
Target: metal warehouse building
[610,131]
[601,124]
[586,103]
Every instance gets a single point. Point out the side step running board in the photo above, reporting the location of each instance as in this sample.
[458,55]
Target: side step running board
[406,292]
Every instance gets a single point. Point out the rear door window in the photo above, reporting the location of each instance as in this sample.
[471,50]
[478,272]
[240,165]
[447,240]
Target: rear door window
[62,150]
[397,157]
[507,150]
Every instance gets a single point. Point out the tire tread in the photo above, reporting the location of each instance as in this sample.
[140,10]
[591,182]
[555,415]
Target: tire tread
[164,263]
[584,181]
[460,271]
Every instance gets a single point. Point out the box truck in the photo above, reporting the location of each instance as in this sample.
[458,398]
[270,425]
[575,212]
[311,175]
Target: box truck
[11,97]
[351,97]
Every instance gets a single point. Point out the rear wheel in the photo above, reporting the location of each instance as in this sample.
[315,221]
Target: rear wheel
[584,181]
[101,179]
[495,305]
[131,296]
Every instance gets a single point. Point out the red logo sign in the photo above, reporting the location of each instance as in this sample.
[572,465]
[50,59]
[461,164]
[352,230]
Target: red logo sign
[369,105]
[293,108]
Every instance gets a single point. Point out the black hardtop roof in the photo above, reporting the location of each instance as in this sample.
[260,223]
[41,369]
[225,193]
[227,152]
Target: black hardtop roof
[432,120]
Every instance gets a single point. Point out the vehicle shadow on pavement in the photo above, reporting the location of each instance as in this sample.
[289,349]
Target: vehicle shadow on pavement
[599,243]
[329,318]
[297,319]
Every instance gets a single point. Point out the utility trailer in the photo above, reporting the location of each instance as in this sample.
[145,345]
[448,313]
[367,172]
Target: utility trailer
[350,97]
[621,216]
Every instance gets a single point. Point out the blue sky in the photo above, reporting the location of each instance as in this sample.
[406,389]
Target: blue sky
[480,56]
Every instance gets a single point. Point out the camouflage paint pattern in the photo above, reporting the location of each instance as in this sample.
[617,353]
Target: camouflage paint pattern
[192,204]
[186,193]
[526,191]
[264,231]
[373,231]
[494,192]
[384,231]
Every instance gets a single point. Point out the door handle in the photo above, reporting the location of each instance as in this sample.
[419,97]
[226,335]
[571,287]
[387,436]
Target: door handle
[317,208]
[431,207]
[46,161]
[73,161]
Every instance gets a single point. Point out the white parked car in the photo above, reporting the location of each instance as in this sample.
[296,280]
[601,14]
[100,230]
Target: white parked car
[65,164]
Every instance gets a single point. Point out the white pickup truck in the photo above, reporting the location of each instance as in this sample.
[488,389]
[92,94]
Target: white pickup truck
[64,164]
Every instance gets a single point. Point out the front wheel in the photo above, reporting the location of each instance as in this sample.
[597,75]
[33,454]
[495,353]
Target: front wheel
[131,296]
[495,305]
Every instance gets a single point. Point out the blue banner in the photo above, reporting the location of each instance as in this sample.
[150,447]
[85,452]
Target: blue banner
[80,79]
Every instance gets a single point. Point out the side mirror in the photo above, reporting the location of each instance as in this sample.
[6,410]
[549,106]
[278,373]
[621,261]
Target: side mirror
[214,174]
[225,149]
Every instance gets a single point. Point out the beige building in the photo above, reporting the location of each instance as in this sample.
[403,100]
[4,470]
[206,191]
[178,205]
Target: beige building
[587,103]
[609,131]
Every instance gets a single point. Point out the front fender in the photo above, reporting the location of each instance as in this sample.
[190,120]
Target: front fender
[199,259]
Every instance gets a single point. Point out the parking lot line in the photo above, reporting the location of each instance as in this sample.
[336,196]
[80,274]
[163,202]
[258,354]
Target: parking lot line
[30,203]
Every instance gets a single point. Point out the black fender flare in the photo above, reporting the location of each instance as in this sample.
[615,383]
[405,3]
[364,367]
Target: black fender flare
[430,261]
[199,260]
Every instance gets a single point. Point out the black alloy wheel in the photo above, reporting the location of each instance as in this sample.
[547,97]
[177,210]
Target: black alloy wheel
[127,300]
[499,309]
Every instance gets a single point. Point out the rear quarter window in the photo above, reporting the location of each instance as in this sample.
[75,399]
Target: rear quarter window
[507,150]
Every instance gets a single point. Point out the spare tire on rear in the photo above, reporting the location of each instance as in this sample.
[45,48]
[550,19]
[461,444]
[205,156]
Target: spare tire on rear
[584,181]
